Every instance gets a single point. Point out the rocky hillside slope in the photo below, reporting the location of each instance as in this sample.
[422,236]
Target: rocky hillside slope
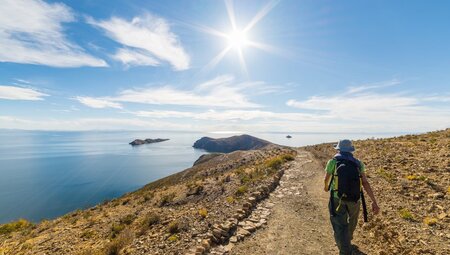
[411,179]
[194,207]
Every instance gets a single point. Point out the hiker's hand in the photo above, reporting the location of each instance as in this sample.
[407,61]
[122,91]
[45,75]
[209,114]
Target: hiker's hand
[375,208]
[325,189]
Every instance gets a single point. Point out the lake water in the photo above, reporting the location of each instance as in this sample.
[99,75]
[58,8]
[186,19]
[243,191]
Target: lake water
[47,174]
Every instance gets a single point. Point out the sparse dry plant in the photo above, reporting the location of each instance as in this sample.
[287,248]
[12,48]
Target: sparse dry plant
[203,212]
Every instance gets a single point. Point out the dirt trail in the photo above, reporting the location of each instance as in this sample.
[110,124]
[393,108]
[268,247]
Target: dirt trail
[299,221]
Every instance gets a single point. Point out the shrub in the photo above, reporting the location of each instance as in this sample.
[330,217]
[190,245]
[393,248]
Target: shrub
[230,199]
[114,247]
[274,163]
[174,227]
[430,221]
[166,199]
[148,197]
[15,226]
[288,157]
[127,220]
[416,177]
[241,190]
[116,229]
[245,179]
[88,234]
[151,219]
[203,212]
[173,238]
[386,175]
[194,188]
[406,214]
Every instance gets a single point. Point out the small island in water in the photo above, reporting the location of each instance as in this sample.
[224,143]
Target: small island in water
[147,141]
[229,144]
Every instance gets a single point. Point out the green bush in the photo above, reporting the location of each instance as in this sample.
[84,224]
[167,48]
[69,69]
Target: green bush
[241,190]
[274,163]
[15,226]
[173,238]
[406,214]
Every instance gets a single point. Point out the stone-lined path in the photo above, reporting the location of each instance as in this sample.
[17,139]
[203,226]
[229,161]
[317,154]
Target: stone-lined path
[296,218]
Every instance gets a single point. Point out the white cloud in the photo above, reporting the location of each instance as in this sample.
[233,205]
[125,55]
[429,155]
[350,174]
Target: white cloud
[135,58]
[31,32]
[221,91]
[373,86]
[18,93]
[98,103]
[231,115]
[11,122]
[147,33]
[370,110]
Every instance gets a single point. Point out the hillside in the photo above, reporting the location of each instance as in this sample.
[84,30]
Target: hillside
[168,216]
[229,144]
[410,176]
[267,201]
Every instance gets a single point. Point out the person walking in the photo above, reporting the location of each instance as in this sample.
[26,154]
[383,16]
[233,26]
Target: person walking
[345,177]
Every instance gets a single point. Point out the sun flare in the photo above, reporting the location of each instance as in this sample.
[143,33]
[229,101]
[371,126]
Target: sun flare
[237,39]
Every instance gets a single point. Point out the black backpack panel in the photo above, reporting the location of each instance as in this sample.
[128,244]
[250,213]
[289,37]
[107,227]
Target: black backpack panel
[349,186]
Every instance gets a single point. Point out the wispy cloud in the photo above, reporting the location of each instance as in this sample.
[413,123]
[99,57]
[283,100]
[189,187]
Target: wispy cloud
[135,58]
[98,103]
[231,115]
[31,32]
[12,122]
[222,91]
[373,86]
[18,93]
[365,107]
[149,35]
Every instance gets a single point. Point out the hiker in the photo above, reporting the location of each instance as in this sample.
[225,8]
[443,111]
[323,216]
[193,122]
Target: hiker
[345,177]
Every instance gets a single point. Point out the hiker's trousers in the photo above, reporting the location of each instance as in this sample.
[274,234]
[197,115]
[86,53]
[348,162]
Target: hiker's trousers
[344,223]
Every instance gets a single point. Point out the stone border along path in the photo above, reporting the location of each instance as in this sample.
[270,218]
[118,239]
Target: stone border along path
[296,214]
[242,224]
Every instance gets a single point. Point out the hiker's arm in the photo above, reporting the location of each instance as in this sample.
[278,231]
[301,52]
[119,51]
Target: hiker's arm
[326,182]
[369,191]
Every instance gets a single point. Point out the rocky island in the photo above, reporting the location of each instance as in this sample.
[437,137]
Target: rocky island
[147,141]
[229,144]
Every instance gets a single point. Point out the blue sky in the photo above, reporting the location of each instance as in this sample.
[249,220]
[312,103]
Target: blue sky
[324,66]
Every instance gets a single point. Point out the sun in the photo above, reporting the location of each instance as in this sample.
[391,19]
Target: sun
[237,39]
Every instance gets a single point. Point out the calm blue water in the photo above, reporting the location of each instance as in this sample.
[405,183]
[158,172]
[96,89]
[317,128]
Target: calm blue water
[47,174]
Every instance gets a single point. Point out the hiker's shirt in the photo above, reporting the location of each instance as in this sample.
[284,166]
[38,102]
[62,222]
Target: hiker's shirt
[331,167]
